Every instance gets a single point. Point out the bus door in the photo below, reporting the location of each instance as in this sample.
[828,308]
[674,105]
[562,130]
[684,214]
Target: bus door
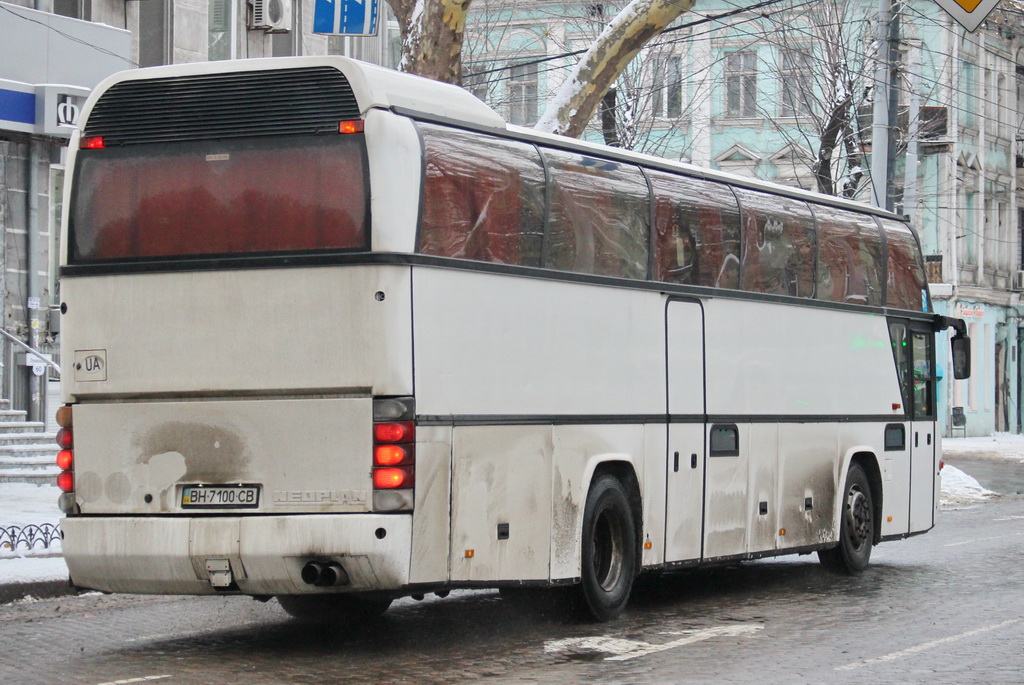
[910,459]
[687,417]
[922,438]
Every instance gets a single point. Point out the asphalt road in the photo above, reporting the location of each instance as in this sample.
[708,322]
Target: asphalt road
[946,607]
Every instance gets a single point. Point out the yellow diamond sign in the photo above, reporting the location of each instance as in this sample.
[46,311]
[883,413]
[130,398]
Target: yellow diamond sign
[968,13]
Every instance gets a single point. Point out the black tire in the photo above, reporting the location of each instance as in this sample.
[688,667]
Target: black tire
[334,608]
[609,549]
[856,527]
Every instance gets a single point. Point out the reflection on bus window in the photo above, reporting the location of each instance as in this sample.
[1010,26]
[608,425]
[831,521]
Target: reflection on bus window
[778,245]
[599,216]
[697,225]
[907,285]
[486,198]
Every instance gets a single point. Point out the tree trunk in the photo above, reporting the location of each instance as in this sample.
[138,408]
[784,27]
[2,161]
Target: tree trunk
[576,102]
[432,33]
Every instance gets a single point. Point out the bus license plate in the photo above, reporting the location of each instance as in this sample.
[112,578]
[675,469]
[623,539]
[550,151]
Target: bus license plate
[230,496]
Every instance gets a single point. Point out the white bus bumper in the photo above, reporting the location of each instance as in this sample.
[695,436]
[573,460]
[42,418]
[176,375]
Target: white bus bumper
[263,555]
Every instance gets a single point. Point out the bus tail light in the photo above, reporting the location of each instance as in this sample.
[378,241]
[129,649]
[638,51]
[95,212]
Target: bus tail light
[394,454]
[353,126]
[392,477]
[66,461]
[92,143]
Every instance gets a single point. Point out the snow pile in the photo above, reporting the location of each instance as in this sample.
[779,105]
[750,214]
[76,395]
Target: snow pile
[959,489]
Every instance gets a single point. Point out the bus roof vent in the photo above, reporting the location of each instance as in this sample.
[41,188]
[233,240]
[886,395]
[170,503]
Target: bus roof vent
[271,102]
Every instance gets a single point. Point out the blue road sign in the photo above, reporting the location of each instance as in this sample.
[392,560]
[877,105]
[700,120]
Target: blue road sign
[345,17]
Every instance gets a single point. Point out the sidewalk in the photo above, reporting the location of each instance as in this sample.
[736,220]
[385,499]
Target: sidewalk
[40,572]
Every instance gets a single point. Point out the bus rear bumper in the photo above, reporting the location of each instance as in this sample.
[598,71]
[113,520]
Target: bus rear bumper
[256,555]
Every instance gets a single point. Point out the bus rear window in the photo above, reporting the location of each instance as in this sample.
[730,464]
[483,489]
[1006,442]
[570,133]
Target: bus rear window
[220,198]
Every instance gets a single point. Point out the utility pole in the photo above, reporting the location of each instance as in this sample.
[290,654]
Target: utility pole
[880,111]
[886,101]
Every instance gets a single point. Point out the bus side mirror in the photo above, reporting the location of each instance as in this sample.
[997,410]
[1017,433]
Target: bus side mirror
[961,348]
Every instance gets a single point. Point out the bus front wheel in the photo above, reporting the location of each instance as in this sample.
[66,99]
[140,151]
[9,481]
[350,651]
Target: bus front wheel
[609,549]
[856,526]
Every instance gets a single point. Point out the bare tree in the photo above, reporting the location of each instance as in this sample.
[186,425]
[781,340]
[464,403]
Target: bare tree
[820,64]
[433,34]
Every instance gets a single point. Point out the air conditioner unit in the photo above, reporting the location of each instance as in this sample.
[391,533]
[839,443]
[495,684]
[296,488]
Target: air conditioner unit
[1018,281]
[273,16]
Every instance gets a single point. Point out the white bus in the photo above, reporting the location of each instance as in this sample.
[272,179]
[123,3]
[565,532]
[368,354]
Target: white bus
[336,334]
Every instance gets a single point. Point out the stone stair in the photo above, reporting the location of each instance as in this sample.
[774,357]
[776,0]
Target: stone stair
[27,451]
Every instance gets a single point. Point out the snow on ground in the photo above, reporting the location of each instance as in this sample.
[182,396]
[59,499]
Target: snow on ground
[23,504]
[998,446]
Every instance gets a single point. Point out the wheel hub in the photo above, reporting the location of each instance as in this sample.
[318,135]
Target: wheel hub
[858,517]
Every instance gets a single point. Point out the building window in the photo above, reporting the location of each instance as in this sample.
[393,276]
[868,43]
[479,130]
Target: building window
[522,94]
[796,83]
[76,9]
[156,26]
[741,84]
[668,87]
[220,35]
[477,84]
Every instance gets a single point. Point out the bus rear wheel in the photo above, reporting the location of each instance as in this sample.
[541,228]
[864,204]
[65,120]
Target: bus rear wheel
[856,527]
[609,549]
[331,608]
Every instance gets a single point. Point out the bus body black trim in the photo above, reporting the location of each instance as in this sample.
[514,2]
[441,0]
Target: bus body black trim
[634,419]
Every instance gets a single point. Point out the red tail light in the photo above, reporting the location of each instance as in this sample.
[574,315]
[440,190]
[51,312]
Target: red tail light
[91,143]
[390,478]
[65,460]
[390,455]
[66,457]
[397,431]
[394,448]
[66,481]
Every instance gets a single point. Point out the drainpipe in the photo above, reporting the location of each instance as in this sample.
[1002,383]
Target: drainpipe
[32,265]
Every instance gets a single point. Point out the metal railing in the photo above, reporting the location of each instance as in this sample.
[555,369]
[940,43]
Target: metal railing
[39,355]
[31,535]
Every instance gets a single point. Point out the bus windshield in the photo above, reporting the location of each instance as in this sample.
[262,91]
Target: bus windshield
[220,197]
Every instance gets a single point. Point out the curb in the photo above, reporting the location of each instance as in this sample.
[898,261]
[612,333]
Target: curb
[42,589]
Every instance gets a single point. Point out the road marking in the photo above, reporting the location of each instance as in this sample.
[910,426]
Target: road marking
[927,645]
[1010,518]
[143,679]
[968,542]
[621,649]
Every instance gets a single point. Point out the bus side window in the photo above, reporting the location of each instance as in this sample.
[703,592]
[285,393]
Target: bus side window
[778,244]
[696,231]
[901,356]
[483,198]
[850,261]
[906,284]
[599,216]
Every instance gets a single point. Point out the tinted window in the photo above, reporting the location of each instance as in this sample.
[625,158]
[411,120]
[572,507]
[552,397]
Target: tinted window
[599,216]
[697,227]
[483,198]
[906,286]
[778,245]
[220,198]
[851,267]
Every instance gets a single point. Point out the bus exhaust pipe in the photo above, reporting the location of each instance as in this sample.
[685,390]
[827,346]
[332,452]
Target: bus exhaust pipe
[324,575]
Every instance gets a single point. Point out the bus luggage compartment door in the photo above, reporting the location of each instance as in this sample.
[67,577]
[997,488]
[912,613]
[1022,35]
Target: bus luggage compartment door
[684,322]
